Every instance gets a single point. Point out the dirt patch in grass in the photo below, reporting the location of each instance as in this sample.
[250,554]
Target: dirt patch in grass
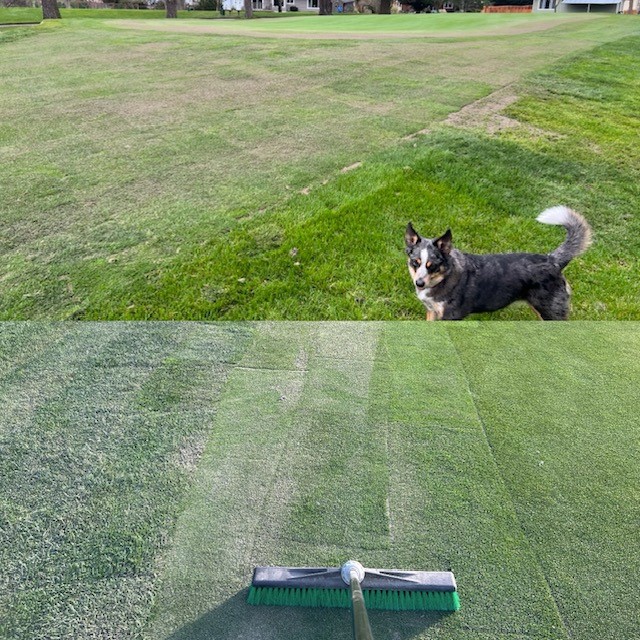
[486,112]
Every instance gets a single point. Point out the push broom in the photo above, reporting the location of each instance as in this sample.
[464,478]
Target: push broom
[353,585]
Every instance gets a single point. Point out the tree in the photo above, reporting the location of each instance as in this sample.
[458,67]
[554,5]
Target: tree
[248,9]
[172,8]
[50,10]
[385,6]
[324,7]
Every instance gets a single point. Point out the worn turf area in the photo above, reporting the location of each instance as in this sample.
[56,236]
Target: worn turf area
[200,176]
[337,252]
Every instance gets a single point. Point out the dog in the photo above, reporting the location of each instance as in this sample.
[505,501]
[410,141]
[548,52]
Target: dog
[452,284]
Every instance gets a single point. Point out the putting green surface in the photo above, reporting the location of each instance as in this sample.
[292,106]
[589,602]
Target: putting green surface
[147,468]
[503,454]
[371,26]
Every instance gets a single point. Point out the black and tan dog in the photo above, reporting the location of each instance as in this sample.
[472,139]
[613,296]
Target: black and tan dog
[452,284]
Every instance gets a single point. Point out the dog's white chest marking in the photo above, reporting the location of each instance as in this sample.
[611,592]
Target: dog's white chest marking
[431,305]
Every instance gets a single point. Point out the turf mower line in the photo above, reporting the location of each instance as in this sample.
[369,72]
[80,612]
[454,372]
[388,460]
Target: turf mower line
[354,586]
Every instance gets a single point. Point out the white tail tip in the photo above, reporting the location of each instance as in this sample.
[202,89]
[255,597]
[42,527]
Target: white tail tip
[555,215]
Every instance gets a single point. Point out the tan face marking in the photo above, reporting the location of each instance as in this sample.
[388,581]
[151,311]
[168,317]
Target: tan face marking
[414,270]
[435,279]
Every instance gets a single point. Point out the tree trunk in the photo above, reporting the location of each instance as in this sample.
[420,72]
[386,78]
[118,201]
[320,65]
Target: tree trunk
[385,6]
[324,7]
[50,10]
[172,8]
[248,9]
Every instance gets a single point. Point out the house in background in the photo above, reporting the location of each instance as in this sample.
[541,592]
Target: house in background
[301,5]
[586,6]
[272,5]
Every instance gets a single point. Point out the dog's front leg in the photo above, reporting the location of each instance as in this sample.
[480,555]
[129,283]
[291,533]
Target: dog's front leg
[435,310]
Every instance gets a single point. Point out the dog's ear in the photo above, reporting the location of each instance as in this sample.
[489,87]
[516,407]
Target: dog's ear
[411,236]
[444,242]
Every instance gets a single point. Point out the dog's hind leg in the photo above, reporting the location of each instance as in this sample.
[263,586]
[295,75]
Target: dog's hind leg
[551,302]
[536,312]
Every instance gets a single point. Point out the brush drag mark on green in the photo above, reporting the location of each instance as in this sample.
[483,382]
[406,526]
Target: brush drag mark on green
[506,453]
[265,493]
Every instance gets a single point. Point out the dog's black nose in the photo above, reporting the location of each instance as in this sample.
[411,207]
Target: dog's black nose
[420,283]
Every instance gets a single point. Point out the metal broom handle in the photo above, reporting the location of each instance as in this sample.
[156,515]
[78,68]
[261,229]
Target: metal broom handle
[353,574]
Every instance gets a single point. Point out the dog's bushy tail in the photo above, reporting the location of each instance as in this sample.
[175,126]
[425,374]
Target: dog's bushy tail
[578,233]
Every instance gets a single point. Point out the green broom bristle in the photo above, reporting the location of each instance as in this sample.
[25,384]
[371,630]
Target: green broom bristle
[374,599]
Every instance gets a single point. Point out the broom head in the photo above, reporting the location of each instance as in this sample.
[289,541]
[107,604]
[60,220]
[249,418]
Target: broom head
[324,587]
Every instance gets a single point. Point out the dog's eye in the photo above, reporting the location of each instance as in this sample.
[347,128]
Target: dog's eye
[415,263]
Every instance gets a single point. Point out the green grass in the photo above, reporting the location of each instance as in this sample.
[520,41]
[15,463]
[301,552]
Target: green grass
[388,443]
[18,15]
[172,190]
[399,25]
[101,430]
[15,33]
[148,467]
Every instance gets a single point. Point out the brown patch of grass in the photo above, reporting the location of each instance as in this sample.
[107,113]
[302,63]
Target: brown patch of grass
[486,114]
[190,452]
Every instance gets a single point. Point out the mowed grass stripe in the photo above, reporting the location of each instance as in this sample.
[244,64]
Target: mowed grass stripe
[99,435]
[560,408]
[216,537]
[340,465]
[448,505]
